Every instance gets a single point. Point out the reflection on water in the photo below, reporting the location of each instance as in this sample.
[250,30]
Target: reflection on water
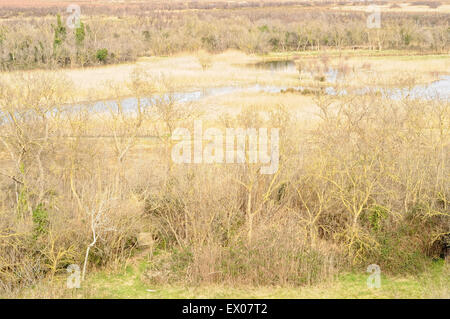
[437,90]
[332,76]
[129,104]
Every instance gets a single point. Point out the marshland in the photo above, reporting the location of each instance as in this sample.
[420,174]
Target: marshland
[90,112]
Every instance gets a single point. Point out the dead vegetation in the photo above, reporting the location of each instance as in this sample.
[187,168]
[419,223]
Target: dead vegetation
[365,181]
[367,184]
[47,42]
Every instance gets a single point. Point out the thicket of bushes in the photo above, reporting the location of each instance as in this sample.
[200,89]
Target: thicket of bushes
[42,42]
[368,184]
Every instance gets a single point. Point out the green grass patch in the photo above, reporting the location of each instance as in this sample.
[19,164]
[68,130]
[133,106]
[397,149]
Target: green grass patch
[128,283]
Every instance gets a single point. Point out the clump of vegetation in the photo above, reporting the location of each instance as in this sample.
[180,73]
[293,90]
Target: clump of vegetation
[205,59]
[102,55]
[80,34]
[40,221]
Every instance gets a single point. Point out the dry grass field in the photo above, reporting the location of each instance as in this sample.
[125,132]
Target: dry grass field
[233,68]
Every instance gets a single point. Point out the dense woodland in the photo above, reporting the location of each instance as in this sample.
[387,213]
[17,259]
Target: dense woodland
[46,42]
